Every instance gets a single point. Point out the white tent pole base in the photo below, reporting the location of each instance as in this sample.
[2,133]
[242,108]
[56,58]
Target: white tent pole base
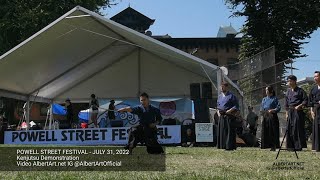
[28,114]
[50,117]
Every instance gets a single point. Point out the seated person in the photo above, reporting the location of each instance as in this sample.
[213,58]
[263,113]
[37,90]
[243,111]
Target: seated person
[189,139]
[252,121]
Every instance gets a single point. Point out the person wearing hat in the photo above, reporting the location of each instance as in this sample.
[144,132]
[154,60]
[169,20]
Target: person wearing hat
[296,99]
[112,107]
[69,111]
[314,99]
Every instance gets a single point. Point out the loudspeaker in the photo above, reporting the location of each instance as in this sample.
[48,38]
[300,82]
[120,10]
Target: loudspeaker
[201,111]
[206,90]
[195,91]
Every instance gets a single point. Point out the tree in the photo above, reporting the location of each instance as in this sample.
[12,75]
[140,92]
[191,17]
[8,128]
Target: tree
[284,24]
[19,19]
[280,23]
[308,118]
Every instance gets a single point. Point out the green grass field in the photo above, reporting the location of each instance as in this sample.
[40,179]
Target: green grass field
[201,163]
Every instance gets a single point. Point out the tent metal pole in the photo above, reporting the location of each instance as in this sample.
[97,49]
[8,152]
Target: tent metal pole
[28,114]
[97,72]
[22,97]
[219,80]
[97,53]
[179,66]
[50,116]
[139,72]
[209,77]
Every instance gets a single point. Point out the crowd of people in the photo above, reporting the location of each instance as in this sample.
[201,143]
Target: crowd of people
[296,100]
[229,121]
[93,107]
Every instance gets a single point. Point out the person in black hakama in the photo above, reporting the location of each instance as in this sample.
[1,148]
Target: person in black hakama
[296,99]
[270,106]
[146,132]
[226,131]
[315,112]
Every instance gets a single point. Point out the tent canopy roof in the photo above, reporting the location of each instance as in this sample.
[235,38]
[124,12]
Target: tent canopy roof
[83,53]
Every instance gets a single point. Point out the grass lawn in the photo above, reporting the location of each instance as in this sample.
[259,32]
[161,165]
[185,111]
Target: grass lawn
[201,163]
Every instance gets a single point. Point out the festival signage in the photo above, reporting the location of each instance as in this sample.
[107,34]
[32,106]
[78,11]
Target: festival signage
[92,136]
[204,132]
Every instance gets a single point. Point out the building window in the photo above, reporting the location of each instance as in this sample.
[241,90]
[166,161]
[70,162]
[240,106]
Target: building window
[232,63]
[213,61]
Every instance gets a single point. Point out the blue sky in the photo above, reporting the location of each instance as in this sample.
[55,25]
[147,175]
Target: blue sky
[182,18]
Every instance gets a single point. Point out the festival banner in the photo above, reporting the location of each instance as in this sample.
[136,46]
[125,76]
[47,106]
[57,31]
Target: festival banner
[89,136]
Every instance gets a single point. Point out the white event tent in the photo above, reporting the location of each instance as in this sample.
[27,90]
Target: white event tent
[82,53]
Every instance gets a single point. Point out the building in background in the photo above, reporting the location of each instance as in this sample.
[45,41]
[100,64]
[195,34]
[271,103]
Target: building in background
[305,81]
[226,31]
[222,50]
[133,19]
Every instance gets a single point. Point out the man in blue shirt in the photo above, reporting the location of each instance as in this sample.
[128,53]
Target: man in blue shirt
[227,106]
[296,99]
[146,131]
